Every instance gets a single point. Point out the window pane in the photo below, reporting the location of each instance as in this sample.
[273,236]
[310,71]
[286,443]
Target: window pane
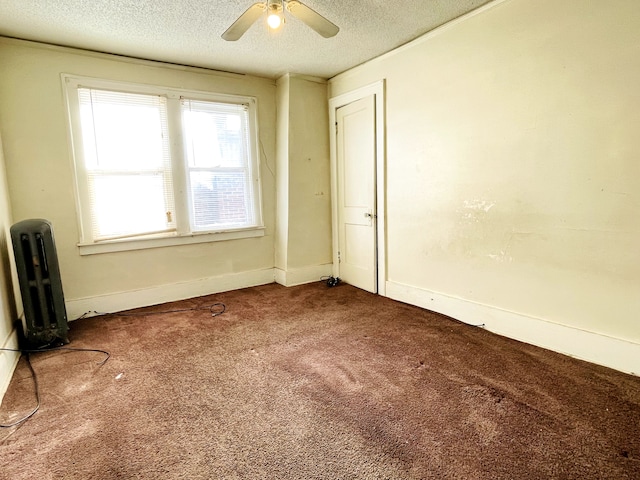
[128,204]
[215,133]
[123,131]
[219,165]
[219,199]
[127,162]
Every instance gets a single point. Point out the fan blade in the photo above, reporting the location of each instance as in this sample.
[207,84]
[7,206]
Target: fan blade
[312,18]
[242,24]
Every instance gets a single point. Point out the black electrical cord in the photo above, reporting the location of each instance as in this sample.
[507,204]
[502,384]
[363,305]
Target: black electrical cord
[27,353]
[215,309]
[51,349]
[37,407]
[330,280]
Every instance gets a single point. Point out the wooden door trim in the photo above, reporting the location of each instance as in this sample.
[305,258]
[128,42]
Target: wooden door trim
[376,89]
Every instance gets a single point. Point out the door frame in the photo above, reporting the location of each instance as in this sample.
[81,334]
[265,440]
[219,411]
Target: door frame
[376,89]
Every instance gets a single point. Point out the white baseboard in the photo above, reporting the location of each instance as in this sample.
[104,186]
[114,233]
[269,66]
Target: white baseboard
[115,302]
[8,361]
[600,349]
[298,276]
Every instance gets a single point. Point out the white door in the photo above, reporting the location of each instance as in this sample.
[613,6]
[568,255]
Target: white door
[356,178]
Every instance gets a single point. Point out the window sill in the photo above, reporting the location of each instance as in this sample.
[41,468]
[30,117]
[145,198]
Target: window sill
[123,245]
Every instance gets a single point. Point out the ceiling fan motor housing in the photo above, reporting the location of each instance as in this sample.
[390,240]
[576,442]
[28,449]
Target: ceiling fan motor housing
[274,6]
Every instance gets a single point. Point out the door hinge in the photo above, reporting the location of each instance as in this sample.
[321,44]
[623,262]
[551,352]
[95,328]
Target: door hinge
[336,128]
[339,259]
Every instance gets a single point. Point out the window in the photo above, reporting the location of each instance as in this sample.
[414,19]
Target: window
[161,166]
[217,144]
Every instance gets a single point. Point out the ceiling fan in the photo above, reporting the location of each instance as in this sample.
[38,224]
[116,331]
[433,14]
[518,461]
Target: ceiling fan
[275,18]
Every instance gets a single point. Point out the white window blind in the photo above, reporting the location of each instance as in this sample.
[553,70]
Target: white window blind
[218,165]
[127,162]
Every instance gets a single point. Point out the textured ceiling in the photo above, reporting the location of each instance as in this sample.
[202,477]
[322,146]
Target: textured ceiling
[188,31]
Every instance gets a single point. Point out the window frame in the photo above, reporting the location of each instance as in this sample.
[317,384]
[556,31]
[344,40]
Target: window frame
[183,234]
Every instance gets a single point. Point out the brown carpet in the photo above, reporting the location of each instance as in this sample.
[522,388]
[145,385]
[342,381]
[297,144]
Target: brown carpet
[315,383]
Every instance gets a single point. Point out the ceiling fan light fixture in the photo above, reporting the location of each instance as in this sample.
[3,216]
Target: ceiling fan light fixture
[274,17]
[274,20]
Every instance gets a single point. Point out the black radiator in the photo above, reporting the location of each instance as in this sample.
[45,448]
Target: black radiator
[45,314]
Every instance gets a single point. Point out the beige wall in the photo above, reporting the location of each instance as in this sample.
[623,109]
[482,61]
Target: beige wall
[304,201]
[513,178]
[282,174]
[9,287]
[39,167]
[309,174]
